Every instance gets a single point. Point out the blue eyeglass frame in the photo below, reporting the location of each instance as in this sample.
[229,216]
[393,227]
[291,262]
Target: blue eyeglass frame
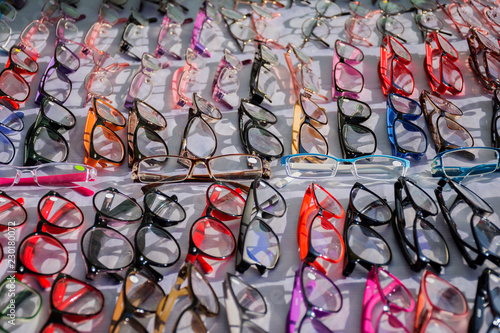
[285,162]
[460,173]
[394,115]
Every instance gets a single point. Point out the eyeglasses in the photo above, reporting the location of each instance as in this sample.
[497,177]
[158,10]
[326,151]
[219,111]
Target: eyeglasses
[346,80]
[27,300]
[462,16]
[439,65]
[199,139]
[142,83]
[169,38]
[488,13]
[203,36]
[355,27]
[385,296]
[184,79]
[209,237]
[44,141]
[67,32]
[172,169]
[318,238]
[486,311]
[441,306]
[303,78]
[318,293]
[307,115]
[258,244]
[97,83]
[406,137]
[40,253]
[226,82]
[12,213]
[51,175]
[243,303]
[259,31]
[55,81]
[190,281]
[440,115]
[139,297]
[484,59]
[254,136]
[261,2]
[364,245]
[464,162]
[387,24]
[375,167]
[427,22]
[133,33]
[355,139]
[470,220]
[143,141]
[263,82]
[315,28]
[10,123]
[102,144]
[420,242]
[14,88]
[105,249]
[393,72]
[74,301]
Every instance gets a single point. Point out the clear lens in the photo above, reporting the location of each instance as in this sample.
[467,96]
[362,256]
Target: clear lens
[320,291]
[11,213]
[23,60]
[261,246]
[311,166]
[50,144]
[370,206]
[325,239]
[311,140]
[57,84]
[76,298]
[200,139]
[353,108]
[165,169]
[470,161]
[264,142]
[268,199]
[213,238]
[107,144]
[27,300]
[67,58]
[444,296]
[109,113]
[43,254]
[60,212]
[225,199]
[58,113]
[367,245]
[203,291]
[164,207]
[117,206]
[13,85]
[242,167]
[107,249]
[379,167]
[326,201]
[149,143]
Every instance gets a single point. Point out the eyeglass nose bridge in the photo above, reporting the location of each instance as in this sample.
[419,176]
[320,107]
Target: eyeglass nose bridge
[20,172]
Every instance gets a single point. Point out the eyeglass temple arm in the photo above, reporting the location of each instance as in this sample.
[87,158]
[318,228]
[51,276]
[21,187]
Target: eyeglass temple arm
[67,179]
[167,303]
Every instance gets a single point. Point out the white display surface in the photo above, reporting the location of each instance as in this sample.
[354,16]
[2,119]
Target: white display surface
[275,285]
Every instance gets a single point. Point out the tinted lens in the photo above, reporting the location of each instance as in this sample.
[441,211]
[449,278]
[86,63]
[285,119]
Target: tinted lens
[107,249]
[429,21]
[313,110]
[117,206]
[225,199]
[142,292]
[213,238]
[157,246]
[43,254]
[76,298]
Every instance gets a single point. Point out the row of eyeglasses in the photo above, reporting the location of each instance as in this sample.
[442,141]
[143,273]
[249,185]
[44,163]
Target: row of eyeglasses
[386,301]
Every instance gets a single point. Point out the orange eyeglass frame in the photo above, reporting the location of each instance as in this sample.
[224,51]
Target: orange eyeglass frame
[310,209]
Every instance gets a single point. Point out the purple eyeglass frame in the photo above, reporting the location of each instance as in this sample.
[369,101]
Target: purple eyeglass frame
[313,312]
[200,20]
